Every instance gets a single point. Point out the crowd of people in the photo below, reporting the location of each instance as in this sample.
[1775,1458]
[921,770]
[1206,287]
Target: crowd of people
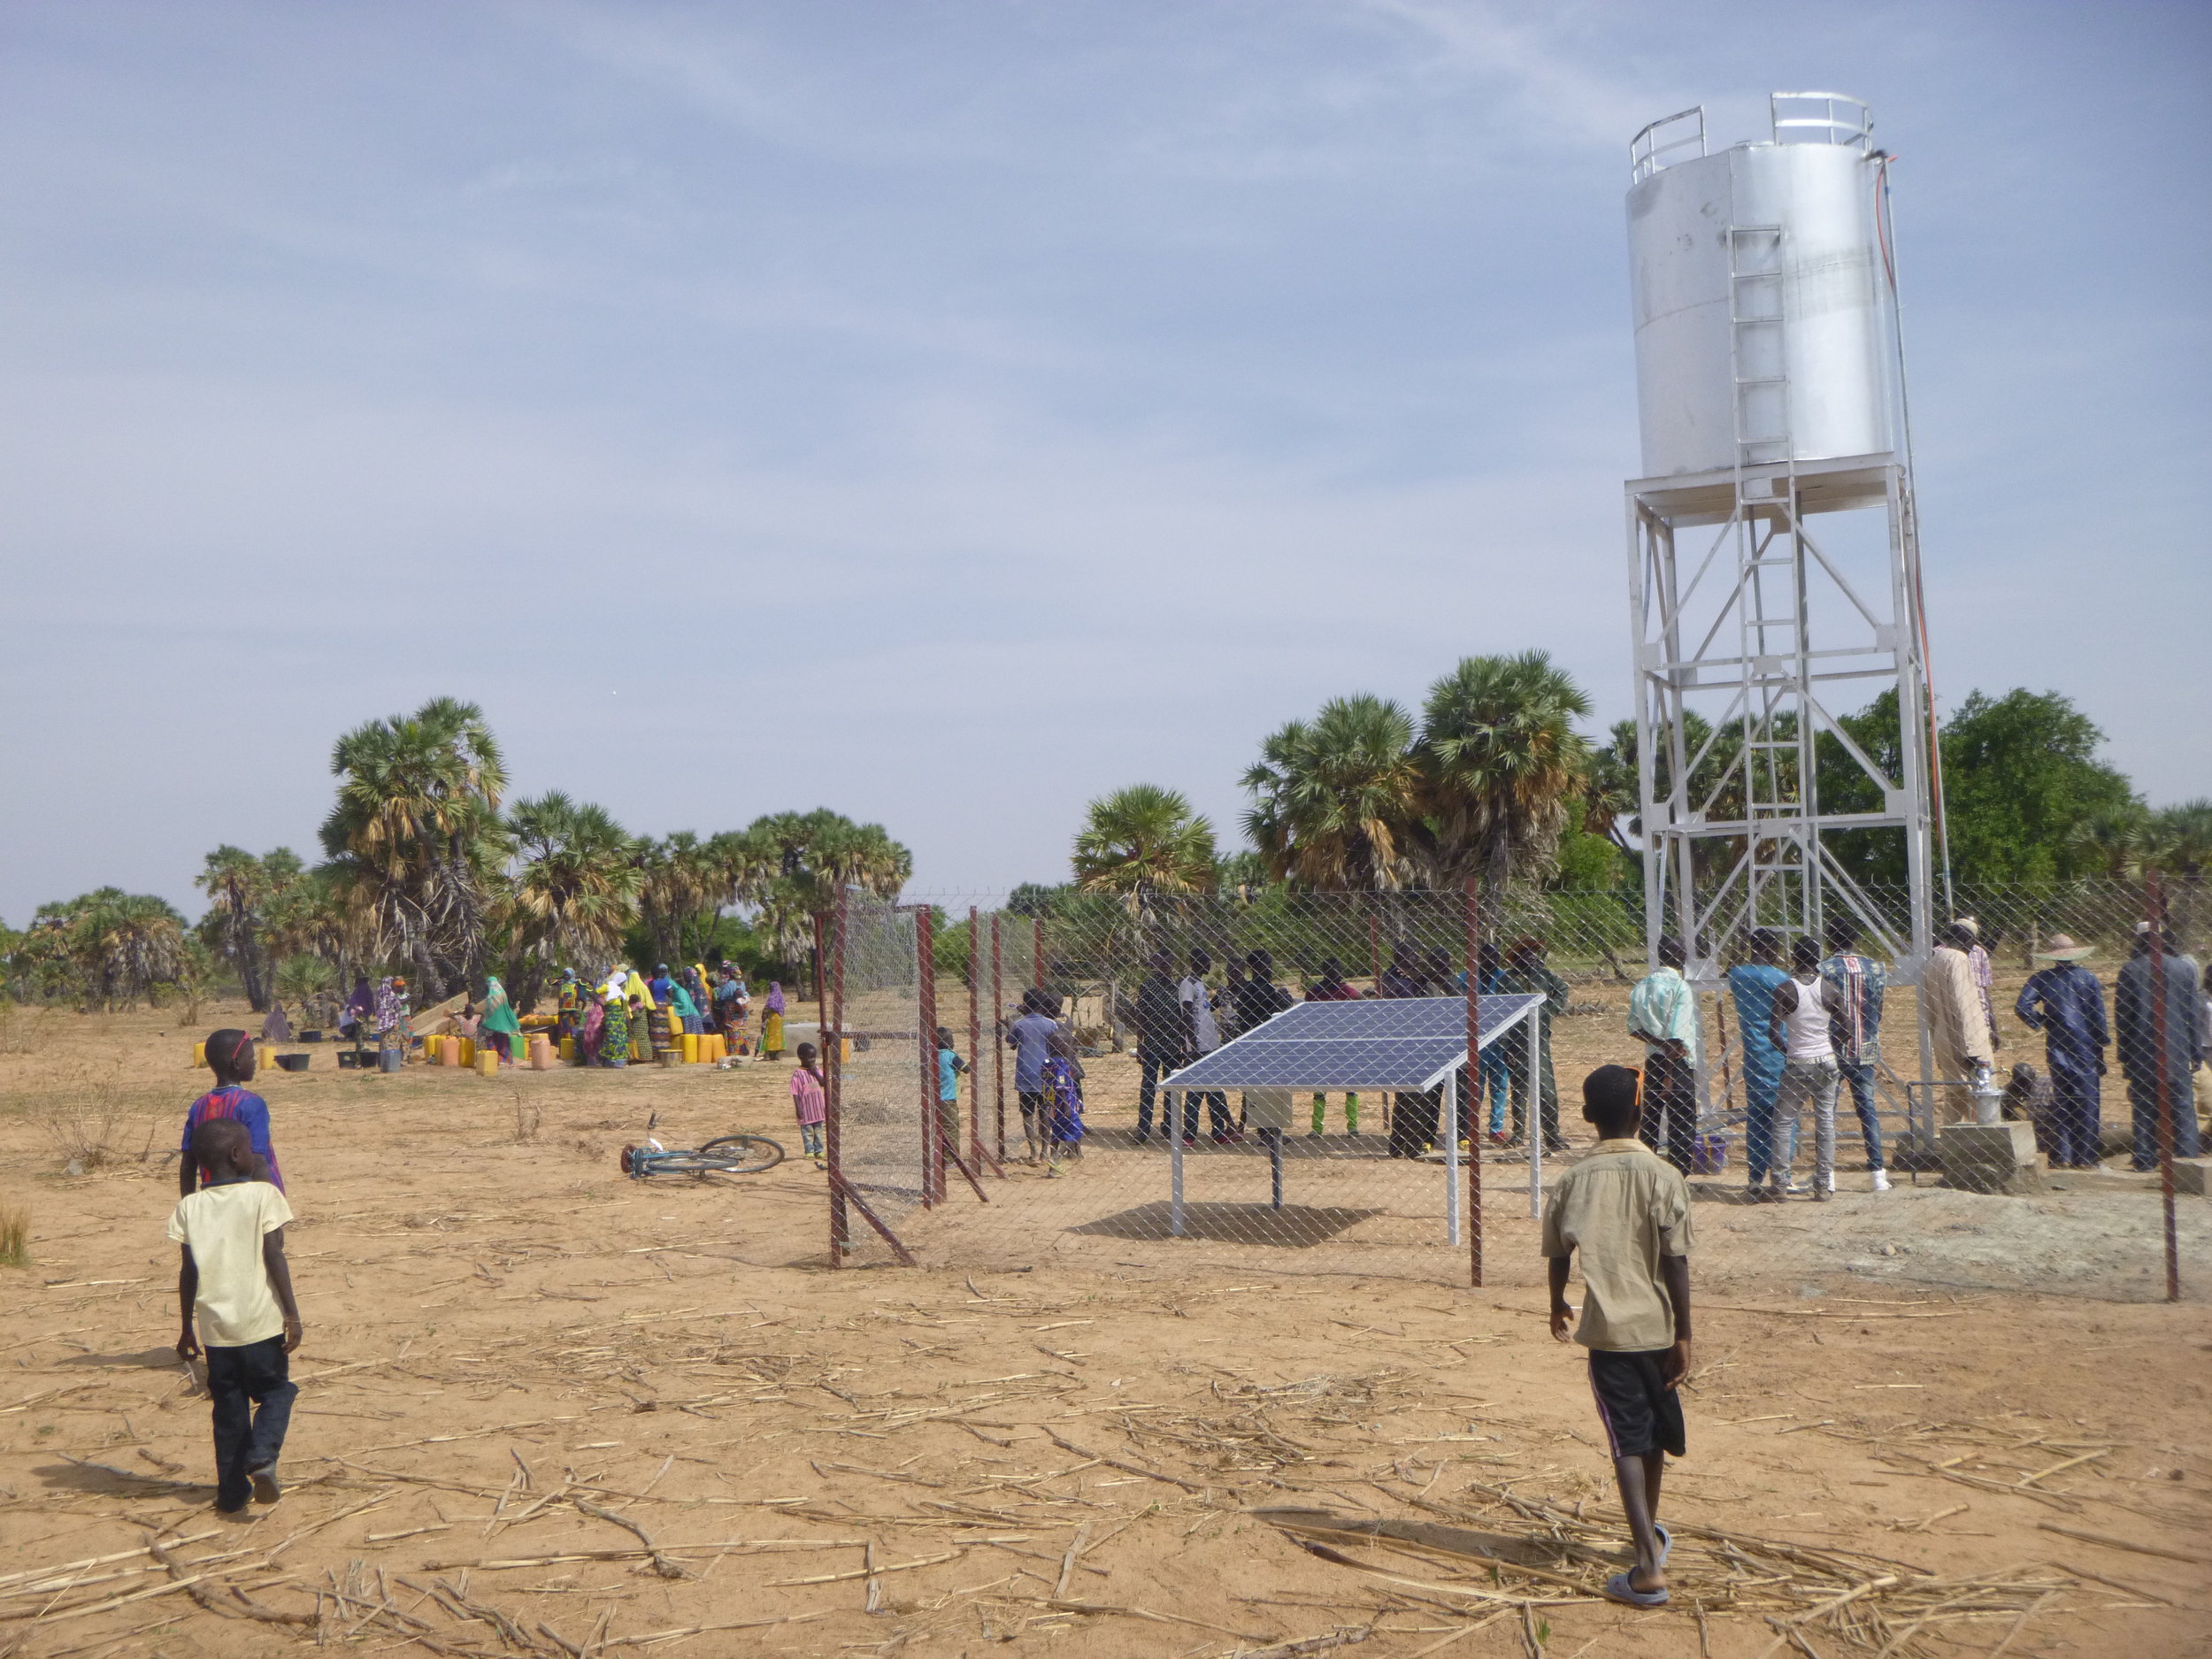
[1808,1025]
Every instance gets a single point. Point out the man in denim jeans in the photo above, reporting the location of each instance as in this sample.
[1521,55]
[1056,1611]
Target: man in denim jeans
[1801,1030]
[1855,984]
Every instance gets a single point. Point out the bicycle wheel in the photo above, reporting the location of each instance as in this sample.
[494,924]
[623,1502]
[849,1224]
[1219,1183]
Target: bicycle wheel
[742,1155]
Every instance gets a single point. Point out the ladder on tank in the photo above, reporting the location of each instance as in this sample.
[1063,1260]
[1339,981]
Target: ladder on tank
[1776,764]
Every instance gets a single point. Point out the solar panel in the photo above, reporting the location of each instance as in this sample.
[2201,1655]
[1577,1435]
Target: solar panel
[1400,1043]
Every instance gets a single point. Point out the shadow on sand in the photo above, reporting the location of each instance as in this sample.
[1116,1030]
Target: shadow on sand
[1295,1225]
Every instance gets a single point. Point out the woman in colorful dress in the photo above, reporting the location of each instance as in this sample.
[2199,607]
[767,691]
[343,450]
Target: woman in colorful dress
[499,1024]
[771,1023]
[614,1032]
[1064,1098]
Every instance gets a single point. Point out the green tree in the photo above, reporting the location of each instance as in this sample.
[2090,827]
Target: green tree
[2021,776]
[109,948]
[417,837]
[241,889]
[574,889]
[1142,844]
[1503,771]
[1336,799]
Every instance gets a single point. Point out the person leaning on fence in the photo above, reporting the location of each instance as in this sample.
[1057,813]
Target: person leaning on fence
[1331,986]
[1662,1016]
[1854,985]
[1985,980]
[2135,1020]
[2065,1003]
[1751,986]
[1627,1215]
[1030,1037]
[1951,1002]
[1803,1028]
[1202,1035]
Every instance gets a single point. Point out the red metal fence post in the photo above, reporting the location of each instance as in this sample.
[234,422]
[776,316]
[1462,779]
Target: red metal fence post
[831,981]
[998,1038]
[1472,1094]
[2154,907]
[925,1017]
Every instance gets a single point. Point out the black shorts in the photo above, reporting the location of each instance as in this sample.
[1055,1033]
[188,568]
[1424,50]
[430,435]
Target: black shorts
[1032,1101]
[1640,1413]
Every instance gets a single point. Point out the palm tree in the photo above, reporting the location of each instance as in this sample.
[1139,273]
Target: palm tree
[416,835]
[1335,799]
[236,889]
[118,946]
[2182,836]
[575,891]
[1143,843]
[1502,764]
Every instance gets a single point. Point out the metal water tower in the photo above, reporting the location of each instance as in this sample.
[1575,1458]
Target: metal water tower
[1769,378]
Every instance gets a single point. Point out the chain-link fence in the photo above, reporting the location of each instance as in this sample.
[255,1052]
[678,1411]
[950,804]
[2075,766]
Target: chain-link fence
[1279,1080]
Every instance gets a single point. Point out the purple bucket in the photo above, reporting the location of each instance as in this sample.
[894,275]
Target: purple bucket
[1709,1155]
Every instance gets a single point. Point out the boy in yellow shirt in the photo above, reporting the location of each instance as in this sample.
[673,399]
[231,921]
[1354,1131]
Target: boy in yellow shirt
[1627,1212]
[236,1285]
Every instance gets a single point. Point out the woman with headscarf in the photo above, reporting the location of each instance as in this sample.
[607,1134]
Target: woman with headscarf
[614,1033]
[277,1027]
[360,1010]
[687,1008]
[771,1022]
[391,1038]
[590,1026]
[499,1018]
[693,986]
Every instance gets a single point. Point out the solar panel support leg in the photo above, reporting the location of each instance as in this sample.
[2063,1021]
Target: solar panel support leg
[1175,1169]
[1530,1100]
[1451,1159]
[1274,1139]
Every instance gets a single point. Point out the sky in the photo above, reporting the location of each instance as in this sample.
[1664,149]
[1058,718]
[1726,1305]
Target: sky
[948,411]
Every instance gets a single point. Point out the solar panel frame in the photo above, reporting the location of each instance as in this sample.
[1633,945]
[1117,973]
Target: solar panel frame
[1281,1054]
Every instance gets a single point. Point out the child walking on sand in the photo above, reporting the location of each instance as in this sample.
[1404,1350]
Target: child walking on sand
[1627,1211]
[807,1103]
[230,1056]
[236,1285]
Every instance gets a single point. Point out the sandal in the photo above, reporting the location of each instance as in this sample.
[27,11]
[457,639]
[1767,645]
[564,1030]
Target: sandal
[1666,1540]
[1617,1588]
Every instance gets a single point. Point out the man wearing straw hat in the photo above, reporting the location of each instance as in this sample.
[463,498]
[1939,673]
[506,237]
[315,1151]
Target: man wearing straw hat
[2065,1003]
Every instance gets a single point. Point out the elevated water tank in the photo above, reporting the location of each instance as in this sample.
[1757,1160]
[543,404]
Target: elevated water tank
[1763,331]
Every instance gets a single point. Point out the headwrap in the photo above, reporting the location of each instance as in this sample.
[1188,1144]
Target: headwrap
[499,1011]
[636,987]
[363,1001]
[276,1028]
[775,996]
[387,1007]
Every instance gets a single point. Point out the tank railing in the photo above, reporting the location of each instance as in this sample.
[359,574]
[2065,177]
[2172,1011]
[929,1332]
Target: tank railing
[1852,127]
[1645,149]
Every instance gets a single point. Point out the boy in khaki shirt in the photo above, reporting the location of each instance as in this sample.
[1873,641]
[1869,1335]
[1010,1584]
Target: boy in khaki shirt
[1628,1213]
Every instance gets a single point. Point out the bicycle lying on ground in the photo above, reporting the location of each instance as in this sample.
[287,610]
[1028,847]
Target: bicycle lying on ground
[725,1154]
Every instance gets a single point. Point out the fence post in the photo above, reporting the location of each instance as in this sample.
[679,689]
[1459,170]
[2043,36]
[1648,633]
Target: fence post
[926,1017]
[831,981]
[2154,904]
[998,1038]
[975,1034]
[1477,1116]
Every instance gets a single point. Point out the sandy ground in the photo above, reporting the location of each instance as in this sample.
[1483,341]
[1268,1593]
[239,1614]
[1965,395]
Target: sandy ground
[520,1366]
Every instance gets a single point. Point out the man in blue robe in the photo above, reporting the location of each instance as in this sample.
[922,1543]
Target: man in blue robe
[2065,1003]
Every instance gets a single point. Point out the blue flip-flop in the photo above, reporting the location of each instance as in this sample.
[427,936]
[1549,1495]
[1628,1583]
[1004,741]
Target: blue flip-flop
[1666,1542]
[1617,1588]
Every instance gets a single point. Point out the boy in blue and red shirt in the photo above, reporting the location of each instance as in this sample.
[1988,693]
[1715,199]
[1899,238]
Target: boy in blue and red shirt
[230,1056]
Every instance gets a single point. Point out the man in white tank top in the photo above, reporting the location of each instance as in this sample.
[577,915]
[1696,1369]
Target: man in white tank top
[1801,1030]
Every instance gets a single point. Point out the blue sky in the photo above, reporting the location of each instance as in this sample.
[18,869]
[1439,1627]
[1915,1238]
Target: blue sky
[946,412]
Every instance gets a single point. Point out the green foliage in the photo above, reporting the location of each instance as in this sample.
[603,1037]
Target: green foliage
[1143,844]
[103,949]
[1337,799]
[1588,862]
